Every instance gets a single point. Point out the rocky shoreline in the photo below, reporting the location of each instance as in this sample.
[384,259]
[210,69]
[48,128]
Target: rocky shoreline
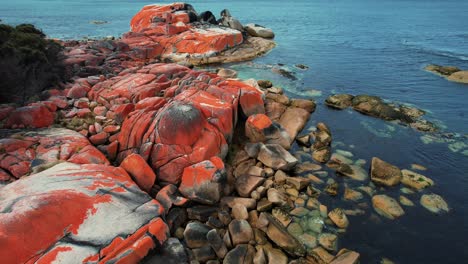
[451,73]
[140,159]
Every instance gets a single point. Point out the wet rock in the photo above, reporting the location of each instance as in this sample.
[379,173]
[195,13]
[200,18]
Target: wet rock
[405,201]
[265,84]
[195,234]
[275,255]
[217,244]
[276,157]
[293,121]
[442,70]
[230,201]
[259,31]
[320,255]
[140,171]
[352,195]
[322,155]
[204,181]
[328,241]
[434,203]
[304,140]
[415,180]
[259,128]
[245,184]
[387,206]
[346,257]
[280,236]
[460,76]
[227,73]
[375,106]
[384,173]
[201,212]
[352,171]
[332,189]
[241,232]
[276,197]
[298,182]
[204,253]
[339,101]
[239,212]
[241,254]
[172,252]
[264,205]
[339,218]
[62,197]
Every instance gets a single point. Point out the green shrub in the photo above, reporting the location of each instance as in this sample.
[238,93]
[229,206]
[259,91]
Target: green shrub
[29,63]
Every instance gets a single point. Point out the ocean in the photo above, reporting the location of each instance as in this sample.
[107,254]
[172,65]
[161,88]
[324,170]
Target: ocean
[351,46]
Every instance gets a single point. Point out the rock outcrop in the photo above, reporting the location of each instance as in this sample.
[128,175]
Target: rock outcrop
[451,73]
[377,107]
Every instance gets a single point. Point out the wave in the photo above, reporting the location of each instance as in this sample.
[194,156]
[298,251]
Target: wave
[437,51]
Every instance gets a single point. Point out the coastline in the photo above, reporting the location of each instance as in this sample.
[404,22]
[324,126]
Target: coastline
[289,193]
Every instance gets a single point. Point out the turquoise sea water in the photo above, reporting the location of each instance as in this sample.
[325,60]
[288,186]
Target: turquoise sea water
[351,46]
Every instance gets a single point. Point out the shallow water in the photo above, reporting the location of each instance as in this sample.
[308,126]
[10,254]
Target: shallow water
[359,46]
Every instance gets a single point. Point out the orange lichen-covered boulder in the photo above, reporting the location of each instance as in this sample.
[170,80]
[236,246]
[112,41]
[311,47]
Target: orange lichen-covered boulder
[166,30]
[204,182]
[150,14]
[140,171]
[79,213]
[187,117]
[259,128]
[36,116]
[28,151]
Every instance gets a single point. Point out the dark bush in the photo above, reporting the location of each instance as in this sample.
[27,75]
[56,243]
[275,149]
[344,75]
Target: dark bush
[29,63]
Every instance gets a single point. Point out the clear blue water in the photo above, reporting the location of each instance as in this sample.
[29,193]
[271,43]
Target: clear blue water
[351,46]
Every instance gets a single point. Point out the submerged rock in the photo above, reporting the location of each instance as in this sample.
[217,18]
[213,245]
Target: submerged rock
[451,73]
[387,206]
[415,180]
[434,203]
[384,173]
[259,31]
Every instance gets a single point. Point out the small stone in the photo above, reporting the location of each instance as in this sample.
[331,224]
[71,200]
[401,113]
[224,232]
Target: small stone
[418,167]
[385,173]
[328,241]
[280,236]
[264,205]
[281,216]
[295,229]
[405,201]
[275,255]
[299,212]
[298,182]
[217,244]
[230,201]
[308,240]
[332,189]
[240,231]
[239,212]
[204,253]
[352,195]
[245,184]
[387,206]
[275,197]
[339,218]
[345,256]
[224,217]
[195,234]
[434,203]
[415,180]
[293,193]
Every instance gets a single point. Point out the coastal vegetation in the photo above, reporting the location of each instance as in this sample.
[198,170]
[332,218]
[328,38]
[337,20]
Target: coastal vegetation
[29,63]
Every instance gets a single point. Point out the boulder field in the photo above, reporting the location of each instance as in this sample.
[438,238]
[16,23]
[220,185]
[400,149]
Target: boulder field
[140,160]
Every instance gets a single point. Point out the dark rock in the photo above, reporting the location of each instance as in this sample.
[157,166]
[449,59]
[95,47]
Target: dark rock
[195,234]
[339,101]
[172,252]
[201,212]
[385,173]
[241,232]
[216,243]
